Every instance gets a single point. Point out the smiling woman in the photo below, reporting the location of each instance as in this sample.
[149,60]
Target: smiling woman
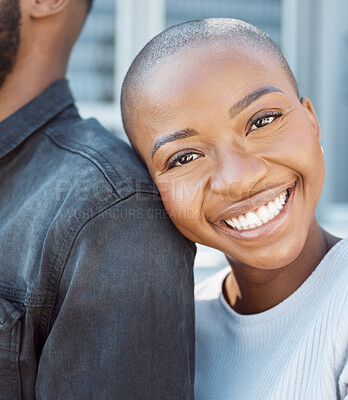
[213,109]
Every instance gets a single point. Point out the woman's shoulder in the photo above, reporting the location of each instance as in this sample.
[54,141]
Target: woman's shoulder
[335,265]
[333,286]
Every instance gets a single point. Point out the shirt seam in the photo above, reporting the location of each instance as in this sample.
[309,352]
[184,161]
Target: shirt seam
[88,152]
[58,263]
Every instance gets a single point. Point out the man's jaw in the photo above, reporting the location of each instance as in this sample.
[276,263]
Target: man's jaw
[10,22]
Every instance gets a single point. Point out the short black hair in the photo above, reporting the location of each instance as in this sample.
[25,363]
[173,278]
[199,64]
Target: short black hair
[176,38]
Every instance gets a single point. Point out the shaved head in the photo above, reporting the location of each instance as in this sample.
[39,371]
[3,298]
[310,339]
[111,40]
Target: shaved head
[230,32]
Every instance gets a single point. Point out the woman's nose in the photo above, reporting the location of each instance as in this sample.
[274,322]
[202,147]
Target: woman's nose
[236,174]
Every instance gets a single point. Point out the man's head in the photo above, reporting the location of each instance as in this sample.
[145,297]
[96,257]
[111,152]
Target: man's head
[25,23]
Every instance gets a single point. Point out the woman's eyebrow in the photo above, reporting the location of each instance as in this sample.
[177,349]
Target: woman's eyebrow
[184,133]
[233,111]
[250,98]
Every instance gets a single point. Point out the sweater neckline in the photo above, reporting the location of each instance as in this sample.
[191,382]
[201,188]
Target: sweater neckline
[288,304]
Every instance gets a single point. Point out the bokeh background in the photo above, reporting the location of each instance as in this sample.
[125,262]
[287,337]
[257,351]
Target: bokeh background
[313,35]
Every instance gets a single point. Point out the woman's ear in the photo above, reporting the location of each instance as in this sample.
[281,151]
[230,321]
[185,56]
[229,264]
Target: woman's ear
[46,8]
[312,116]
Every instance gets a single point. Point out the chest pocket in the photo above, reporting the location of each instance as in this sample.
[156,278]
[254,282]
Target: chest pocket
[10,338]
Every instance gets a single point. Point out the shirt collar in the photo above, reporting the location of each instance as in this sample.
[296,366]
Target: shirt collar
[35,114]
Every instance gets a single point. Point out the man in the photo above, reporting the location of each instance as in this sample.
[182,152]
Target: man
[96,283]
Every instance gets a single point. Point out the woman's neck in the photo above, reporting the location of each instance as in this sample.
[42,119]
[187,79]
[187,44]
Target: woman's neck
[249,290]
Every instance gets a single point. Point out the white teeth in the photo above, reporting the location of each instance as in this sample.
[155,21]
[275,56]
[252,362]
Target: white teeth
[237,223]
[262,215]
[272,208]
[243,222]
[253,219]
[283,198]
[277,203]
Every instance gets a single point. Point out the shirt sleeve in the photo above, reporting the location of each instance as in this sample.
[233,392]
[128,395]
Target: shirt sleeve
[123,325]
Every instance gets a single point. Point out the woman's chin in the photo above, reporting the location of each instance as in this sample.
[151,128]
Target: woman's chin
[272,257]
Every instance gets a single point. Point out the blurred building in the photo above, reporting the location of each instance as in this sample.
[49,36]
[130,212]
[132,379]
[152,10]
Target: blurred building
[313,35]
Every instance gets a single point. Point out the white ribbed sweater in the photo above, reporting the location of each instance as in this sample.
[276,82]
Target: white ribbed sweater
[297,350]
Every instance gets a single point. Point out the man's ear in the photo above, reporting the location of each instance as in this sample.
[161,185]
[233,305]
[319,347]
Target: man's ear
[46,8]
[312,116]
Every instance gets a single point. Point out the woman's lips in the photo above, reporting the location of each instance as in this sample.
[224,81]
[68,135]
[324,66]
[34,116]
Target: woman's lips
[252,228]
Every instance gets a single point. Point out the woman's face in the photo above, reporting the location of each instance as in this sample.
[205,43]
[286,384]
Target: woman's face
[234,153]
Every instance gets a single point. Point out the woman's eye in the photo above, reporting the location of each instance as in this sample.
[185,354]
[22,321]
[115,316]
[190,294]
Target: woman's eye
[263,121]
[182,160]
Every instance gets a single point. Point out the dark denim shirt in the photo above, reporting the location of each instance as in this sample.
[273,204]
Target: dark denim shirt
[96,284]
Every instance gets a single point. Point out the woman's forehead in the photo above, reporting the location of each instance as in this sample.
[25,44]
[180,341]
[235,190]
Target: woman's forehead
[205,78]
[202,68]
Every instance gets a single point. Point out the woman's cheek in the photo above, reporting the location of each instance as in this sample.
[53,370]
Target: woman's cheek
[310,162]
[181,201]
[298,148]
